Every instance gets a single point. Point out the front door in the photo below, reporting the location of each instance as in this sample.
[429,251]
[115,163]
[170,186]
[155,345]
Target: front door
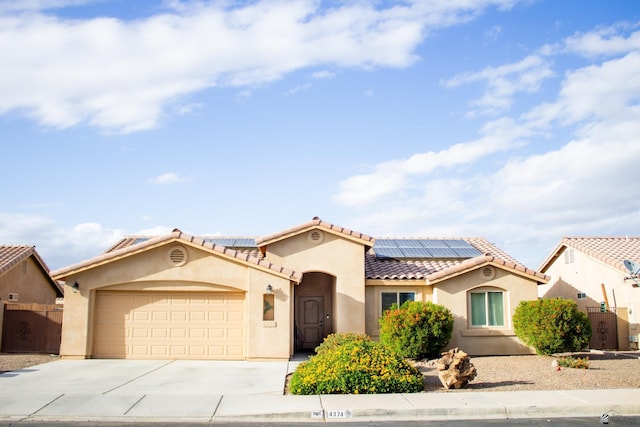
[311,321]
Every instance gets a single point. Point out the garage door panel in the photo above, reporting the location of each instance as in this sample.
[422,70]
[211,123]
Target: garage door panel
[169,325]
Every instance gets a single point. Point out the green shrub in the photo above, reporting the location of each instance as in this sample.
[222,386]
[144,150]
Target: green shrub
[333,341]
[552,325]
[354,364]
[574,362]
[416,329]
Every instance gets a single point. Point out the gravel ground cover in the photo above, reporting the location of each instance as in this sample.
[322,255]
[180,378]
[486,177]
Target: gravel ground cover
[534,372]
[13,362]
[495,373]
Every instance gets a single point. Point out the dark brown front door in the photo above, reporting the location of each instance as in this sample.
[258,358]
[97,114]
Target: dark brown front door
[311,321]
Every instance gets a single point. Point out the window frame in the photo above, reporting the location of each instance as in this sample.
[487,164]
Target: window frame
[487,312]
[398,293]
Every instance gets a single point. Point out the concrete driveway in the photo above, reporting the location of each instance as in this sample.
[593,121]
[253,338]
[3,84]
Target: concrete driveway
[115,388]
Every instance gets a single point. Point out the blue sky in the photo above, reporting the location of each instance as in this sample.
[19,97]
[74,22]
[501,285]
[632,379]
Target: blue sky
[517,121]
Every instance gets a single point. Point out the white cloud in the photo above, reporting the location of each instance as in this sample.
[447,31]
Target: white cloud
[604,41]
[531,195]
[392,177]
[170,178]
[297,89]
[323,75]
[121,75]
[57,244]
[38,5]
[504,82]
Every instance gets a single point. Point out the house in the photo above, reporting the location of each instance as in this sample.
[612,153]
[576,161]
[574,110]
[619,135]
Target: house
[591,271]
[181,296]
[24,279]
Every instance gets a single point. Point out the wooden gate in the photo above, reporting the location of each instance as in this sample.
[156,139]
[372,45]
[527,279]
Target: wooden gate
[32,328]
[604,328]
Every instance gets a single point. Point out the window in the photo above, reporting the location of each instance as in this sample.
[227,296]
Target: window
[390,298]
[582,295]
[487,308]
[13,297]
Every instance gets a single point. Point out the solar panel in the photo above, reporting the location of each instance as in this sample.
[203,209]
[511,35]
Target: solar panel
[385,243]
[408,243]
[457,243]
[416,253]
[424,248]
[443,253]
[432,243]
[232,242]
[140,240]
[467,252]
[389,253]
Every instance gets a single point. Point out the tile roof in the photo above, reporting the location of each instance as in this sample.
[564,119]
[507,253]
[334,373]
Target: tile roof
[12,255]
[316,223]
[393,268]
[435,270]
[610,250]
[123,250]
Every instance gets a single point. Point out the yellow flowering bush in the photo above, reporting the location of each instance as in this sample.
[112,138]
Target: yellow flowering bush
[354,364]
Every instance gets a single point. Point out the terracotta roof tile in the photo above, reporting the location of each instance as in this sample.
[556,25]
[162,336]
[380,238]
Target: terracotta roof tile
[430,269]
[122,249]
[610,250]
[317,223]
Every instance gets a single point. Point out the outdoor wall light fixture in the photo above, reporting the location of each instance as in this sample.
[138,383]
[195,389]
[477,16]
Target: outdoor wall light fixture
[269,289]
[75,287]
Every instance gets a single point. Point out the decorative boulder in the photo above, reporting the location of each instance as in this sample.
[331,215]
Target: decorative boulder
[455,369]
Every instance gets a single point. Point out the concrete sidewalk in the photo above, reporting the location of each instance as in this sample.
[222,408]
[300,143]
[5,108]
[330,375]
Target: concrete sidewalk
[206,391]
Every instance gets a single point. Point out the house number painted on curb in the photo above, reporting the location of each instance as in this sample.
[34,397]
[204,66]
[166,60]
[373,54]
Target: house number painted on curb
[339,414]
[331,414]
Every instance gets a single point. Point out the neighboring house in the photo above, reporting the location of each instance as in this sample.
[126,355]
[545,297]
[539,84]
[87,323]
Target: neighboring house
[591,271]
[24,279]
[180,296]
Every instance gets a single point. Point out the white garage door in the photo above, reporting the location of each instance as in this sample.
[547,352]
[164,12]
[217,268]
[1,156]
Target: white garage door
[159,325]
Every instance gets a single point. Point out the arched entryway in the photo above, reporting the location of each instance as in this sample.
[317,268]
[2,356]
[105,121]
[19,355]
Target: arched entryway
[313,310]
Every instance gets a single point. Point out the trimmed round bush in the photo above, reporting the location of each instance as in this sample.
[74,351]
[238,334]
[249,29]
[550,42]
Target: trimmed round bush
[355,365]
[552,325]
[416,329]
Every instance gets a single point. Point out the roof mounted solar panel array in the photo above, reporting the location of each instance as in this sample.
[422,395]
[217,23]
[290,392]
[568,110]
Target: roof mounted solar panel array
[233,242]
[424,248]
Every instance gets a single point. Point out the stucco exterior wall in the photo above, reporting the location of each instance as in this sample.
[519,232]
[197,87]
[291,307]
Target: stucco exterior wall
[152,271]
[374,289]
[454,294]
[335,256]
[587,274]
[29,282]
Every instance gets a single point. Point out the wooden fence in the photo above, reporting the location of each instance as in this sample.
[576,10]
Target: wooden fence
[604,328]
[32,328]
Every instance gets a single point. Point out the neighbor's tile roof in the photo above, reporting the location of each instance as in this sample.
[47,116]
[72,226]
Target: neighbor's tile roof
[610,250]
[12,255]
[128,247]
[438,269]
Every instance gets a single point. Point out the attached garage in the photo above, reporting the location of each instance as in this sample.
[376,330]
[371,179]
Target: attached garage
[169,325]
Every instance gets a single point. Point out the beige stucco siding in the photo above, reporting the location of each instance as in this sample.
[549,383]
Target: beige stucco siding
[28,281]
[337,257]
[454,294]
[374,289]
[151,271]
